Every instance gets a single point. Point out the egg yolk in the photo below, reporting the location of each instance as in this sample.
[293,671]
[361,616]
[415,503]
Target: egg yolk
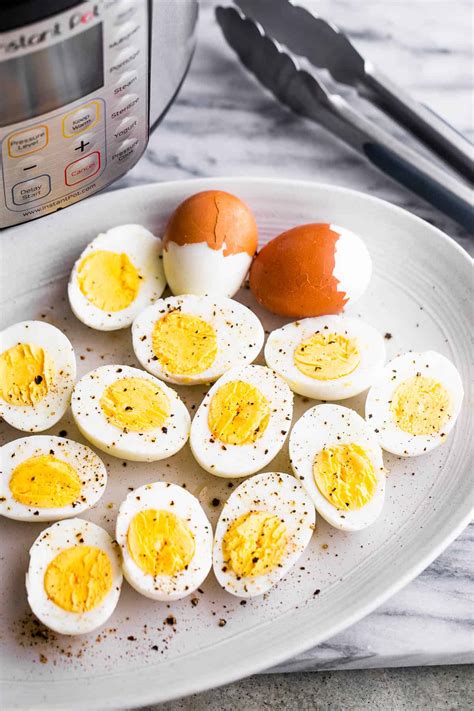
[79,578]
[421,406]
[135,404]
[254,544]
[238,413]
[26,374]
[160,542]
[327,356]
[45,482]
[108,280]
[184,344]
[345,476]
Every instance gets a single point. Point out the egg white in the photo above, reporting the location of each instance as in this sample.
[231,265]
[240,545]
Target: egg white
[148,446]
[87,464]
[352,264]
[326,426]
[198,269]
[239,335]
[50,542]
[51,408]
[276,493]
[145,252]
[241,460]
[282,343]
[165,496]
[377,408]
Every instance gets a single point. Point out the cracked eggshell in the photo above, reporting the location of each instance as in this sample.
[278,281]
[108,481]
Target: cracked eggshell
[209,243]
[311,270]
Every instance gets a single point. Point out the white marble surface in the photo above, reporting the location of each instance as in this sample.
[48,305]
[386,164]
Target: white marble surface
[224,124]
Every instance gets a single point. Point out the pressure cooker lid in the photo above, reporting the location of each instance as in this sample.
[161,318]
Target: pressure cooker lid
[16,13]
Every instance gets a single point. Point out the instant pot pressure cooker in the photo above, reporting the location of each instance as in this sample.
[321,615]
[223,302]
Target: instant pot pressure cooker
[82,84]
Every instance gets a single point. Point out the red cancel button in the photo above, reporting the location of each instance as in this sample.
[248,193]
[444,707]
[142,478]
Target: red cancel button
[81,169]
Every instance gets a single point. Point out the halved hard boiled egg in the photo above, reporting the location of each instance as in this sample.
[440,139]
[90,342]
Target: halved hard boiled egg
[209,243]
[47,478]
[264,527]
[242,422]
[415,402]
[195,339]
[74,577]
[339,462]
[37,374]
[130,414]
[326,357]
[166,541]
[118,274]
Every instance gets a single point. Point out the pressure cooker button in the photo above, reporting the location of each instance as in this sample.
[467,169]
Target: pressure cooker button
[22,143]
[126,80]
[29,166]
[124,34]
[31,190]
[125,128]
[125,150]
[80,119]
[125,58]
[82,168]
[84,144]
[124,10]
[125,105]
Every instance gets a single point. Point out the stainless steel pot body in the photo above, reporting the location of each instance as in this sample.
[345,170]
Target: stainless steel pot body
[82,84]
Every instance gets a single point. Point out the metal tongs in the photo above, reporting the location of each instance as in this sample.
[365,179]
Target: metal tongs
[257,37]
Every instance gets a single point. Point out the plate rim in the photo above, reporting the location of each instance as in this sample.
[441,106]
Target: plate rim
[211,675]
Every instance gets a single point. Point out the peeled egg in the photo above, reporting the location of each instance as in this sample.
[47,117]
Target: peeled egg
[130,414]
[37,374]
[74,576]
[166,541]
[311,270]
[209,243]
[242,422]
[46,478]
[339,462]
[415,402]
[118,274]
[326,357]
[195,339]
[264,527]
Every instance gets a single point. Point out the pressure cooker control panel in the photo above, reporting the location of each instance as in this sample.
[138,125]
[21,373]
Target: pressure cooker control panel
[76,112]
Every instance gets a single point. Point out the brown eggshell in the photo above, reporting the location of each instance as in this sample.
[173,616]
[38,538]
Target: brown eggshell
[215,217]
[293,274]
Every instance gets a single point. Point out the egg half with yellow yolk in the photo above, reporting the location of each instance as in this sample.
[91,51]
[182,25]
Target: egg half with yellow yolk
[195,339]
[37,374]
[74,576]
[263,529]
[130,414]
[326,357]
[166,541]
[339,462]
[44,478]
[242,422]
[414,404]
[118,274]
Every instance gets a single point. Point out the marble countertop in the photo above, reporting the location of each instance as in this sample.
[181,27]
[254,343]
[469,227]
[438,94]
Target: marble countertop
[224,124]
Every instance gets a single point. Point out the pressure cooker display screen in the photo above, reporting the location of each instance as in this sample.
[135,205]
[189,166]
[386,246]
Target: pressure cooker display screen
[50,78]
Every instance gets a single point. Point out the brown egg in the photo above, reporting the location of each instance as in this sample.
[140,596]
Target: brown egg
[311,270]
[209,243]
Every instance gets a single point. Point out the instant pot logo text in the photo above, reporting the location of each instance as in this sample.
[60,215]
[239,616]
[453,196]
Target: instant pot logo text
[58,29]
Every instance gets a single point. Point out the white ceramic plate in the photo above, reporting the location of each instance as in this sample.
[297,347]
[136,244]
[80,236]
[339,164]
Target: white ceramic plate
[419,294]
